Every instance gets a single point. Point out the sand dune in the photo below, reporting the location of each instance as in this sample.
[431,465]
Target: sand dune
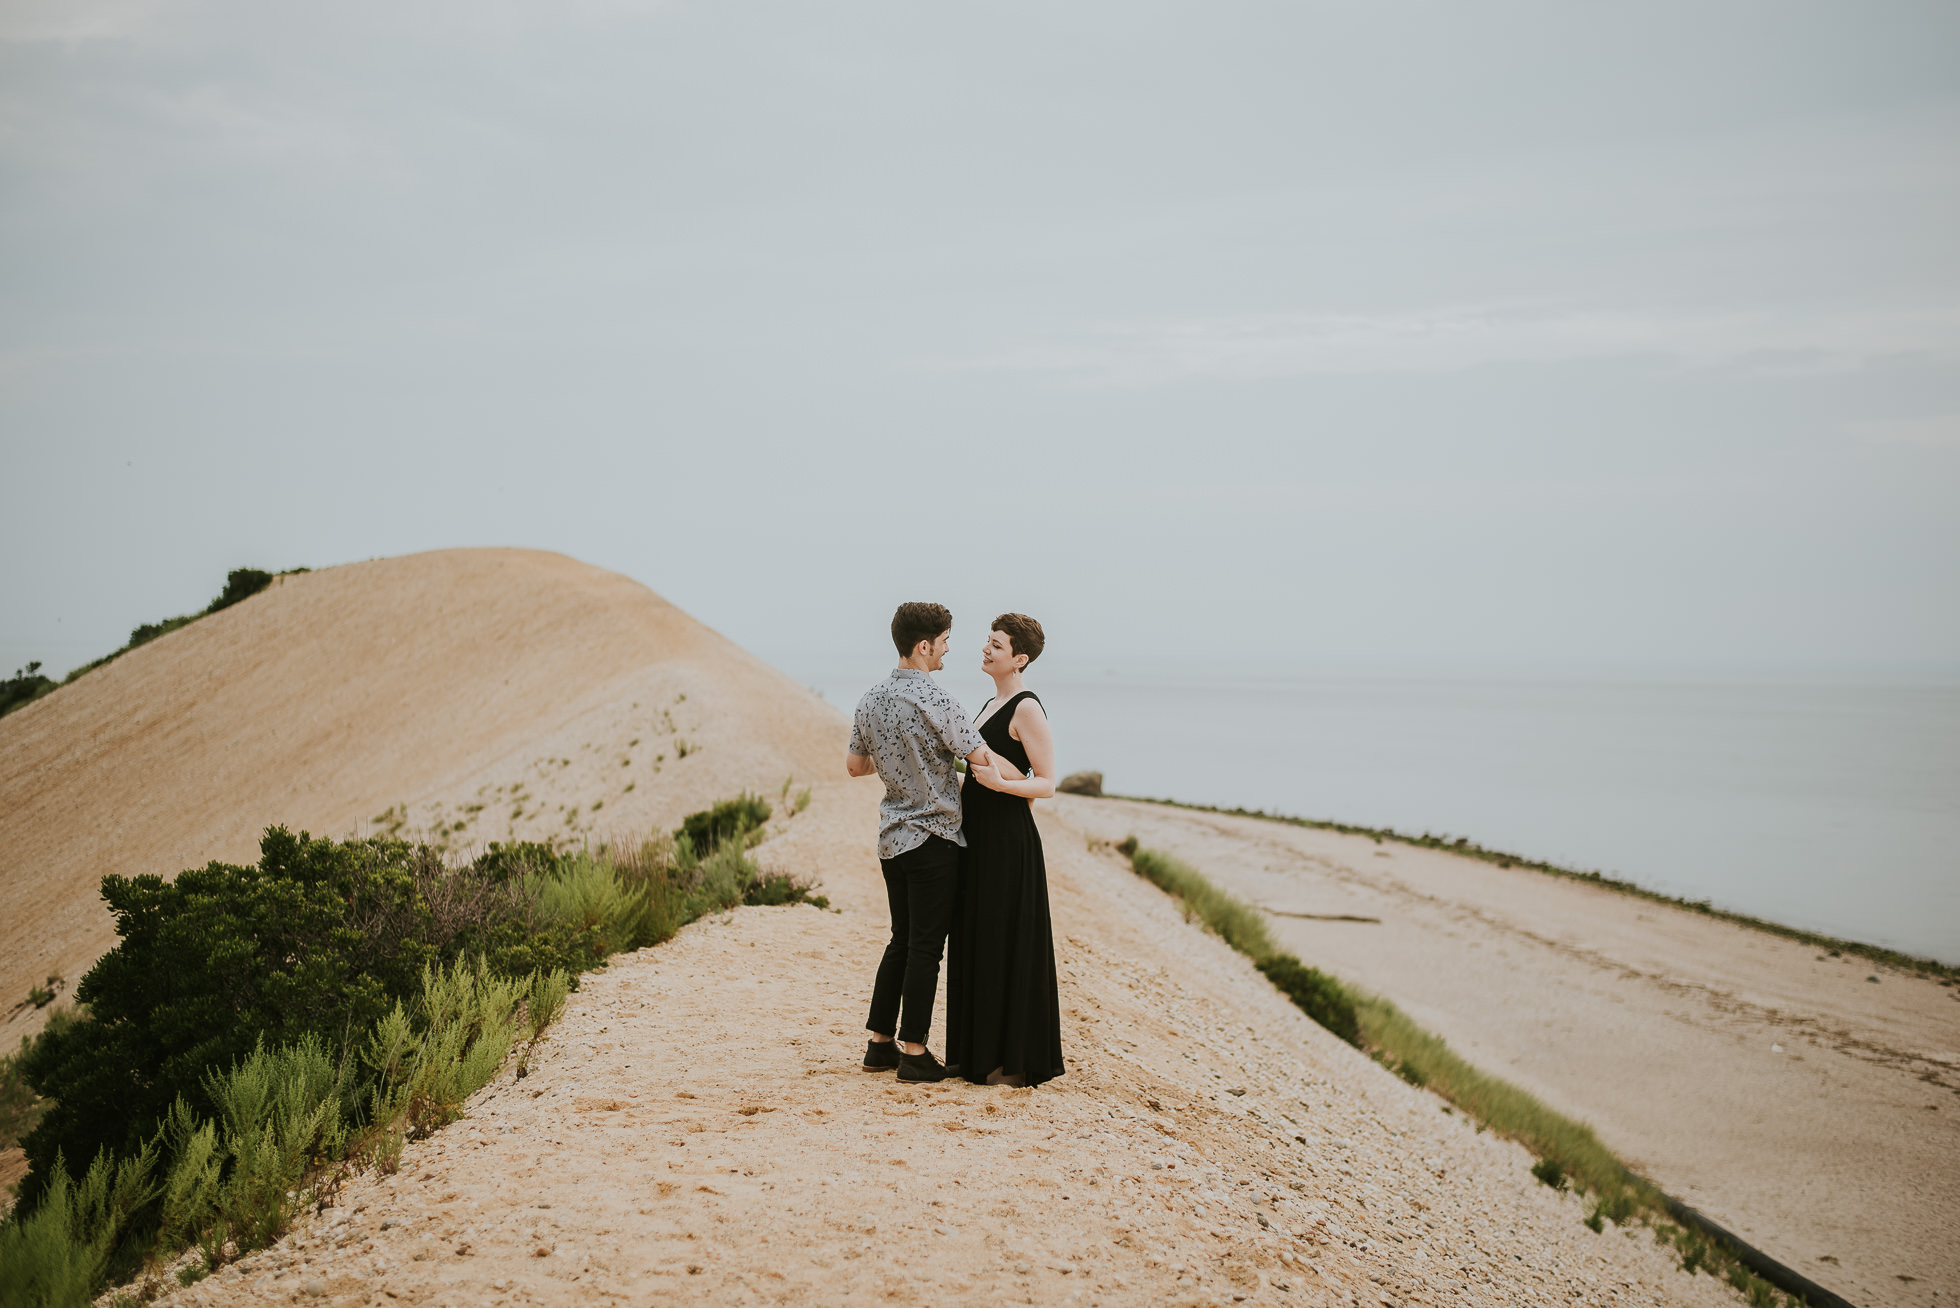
[433,682]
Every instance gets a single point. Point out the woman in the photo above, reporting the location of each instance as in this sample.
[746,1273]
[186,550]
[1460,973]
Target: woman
[1004,1021]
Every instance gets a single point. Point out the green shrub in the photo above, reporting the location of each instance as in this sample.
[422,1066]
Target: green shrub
[23,688]
[20,1107]
[56,1256]
[280,1115]
[425,1065]
[319,939]
[705,831]
[1316,994]
[1241,925]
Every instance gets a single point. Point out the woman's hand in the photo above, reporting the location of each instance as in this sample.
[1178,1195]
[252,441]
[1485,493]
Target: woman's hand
[988,774]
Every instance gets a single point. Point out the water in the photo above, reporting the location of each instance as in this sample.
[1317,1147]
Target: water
[1834,807]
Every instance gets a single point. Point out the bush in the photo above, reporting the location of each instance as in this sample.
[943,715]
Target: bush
[318,940]
[61,1252]
[23,688]
[706,831]
[1315,993]
[258,1031]
[20,1107]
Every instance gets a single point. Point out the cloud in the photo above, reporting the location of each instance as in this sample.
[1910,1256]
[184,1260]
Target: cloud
[1938,429]
[1454,338]
[73,20]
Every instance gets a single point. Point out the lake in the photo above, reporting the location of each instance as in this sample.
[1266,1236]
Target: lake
[1834,807]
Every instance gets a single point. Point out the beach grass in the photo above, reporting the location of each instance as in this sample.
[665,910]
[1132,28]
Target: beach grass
[1241,925]
[1569,1153]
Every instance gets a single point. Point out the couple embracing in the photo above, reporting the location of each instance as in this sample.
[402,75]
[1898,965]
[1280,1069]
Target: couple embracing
[962,862]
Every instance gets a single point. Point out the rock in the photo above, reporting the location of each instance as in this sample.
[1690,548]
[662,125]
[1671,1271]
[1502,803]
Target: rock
[1081,783]
[315,1287]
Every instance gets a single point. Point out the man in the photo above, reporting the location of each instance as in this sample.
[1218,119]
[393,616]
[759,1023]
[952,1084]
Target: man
[910,732]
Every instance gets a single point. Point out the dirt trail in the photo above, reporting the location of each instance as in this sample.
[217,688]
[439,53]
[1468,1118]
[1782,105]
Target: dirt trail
[698,1130]
[1814,1111]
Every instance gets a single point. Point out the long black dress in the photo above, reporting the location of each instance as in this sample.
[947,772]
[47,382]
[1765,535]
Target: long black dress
[1003,1006]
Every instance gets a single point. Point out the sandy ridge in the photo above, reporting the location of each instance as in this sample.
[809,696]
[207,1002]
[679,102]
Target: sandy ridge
[700,1131]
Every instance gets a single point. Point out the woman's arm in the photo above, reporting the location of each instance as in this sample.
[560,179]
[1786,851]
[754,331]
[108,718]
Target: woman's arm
[1030,727]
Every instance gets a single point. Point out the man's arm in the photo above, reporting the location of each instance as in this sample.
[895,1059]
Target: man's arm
[858,765]
[943,715]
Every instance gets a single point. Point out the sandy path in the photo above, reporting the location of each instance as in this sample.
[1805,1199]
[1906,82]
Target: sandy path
[1814,1112]
[697,1130]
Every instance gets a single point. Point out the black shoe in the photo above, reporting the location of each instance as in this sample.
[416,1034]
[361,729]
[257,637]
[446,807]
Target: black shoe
[921,1066]
[880,1055]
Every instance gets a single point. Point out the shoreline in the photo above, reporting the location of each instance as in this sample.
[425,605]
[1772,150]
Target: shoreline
[1468,848]
[1733,1069]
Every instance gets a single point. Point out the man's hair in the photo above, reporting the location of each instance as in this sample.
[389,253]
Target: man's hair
[915,622]
[1023,634]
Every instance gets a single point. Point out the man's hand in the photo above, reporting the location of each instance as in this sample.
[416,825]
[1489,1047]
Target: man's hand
[858,765]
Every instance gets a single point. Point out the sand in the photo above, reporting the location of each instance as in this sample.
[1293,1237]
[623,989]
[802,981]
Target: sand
[1805,1106]
[415,687]
[697,1128]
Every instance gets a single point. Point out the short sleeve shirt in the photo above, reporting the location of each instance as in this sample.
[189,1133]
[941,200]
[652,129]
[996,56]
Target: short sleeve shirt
[912,731]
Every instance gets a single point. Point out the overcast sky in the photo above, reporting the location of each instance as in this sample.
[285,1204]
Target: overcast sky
[1449,336]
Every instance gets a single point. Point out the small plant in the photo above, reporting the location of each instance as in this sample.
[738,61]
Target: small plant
[1316,994]
[707,829]
[1549,1172]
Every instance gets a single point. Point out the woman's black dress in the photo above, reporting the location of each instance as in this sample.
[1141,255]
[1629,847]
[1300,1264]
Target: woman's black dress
[1003,1006]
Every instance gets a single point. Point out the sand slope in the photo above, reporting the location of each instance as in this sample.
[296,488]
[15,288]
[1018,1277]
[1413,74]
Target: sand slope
[698,1131]
[1811,1104]
[433,682]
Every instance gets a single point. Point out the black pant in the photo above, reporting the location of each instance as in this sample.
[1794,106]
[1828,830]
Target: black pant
[923,885]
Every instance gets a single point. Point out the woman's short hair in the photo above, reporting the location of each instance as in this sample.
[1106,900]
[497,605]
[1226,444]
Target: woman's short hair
[1023,634]
[918,621]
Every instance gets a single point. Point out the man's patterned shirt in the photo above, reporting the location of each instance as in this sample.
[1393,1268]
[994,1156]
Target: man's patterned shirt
[912,731]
